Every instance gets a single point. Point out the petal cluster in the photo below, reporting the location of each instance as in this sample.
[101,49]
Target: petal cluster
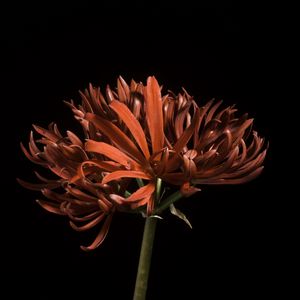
[135,133]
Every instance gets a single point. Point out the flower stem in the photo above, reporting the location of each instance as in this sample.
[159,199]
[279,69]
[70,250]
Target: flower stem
[158,189]
[145,259]
[167,202]
[141,283]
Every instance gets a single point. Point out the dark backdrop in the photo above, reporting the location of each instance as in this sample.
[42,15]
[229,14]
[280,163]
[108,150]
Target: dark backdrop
[213,51]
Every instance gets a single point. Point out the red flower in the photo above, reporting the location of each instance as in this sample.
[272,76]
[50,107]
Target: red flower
[136,133]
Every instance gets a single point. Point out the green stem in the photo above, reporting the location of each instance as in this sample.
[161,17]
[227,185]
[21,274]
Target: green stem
[145,260]
[158,188]
[166,203]
[140,182]
[141,283]
[147,243]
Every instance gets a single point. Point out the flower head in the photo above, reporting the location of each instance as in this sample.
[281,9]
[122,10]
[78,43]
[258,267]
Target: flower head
[135,133]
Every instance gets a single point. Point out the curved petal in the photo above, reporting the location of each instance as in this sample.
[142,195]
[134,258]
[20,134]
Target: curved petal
[89,225]
[142,192]
[125,174]
[38,186]
[51,207]
[111,152]
[46,133]
[133,125]
[101,235]
[116,136]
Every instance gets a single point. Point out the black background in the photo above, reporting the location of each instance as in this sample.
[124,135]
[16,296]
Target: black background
[213,51]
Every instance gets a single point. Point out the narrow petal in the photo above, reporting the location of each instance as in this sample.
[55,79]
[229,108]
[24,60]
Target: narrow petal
[116,136]
[40,177]
[187,190]
[32,146]
[111,152]
[142,192]
[32,158]
[154,113]
[101,235]
[202,114]
[182,142]
[123,90]
[133,125]
[46,133]
[140,203]
[56,196]
[74,138]
[38,186]
[125,174]
[104,204]
[119,200]
[51,207]
[89,225]
[187,134]
[212,111]
[240,180]
[85,218]
[80,194]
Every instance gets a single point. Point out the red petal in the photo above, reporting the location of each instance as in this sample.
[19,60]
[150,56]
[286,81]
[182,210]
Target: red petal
[89,225]
[116,136]
[154,113]
[142,192]
[187,190]
[111,152]
[55,196]
[33,159]
[140,203]
[125,174]
[83,219]
[133,125]
[80,195]
[51,207]
[123,90]
[101,235]
[46,133]
[38,186]
[74,138]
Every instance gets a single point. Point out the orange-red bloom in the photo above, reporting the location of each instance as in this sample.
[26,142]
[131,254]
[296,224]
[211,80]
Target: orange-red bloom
[136,133]
[85,203]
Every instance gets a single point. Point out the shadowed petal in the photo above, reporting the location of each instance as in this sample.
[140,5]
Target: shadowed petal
[101,235]
[33,159]
[187,190]
[123,90]
[85,218]
[55,196]
[241,180]
[74,138]
[46,133]
[125,174]
[51,207]
[116,136]
[80,194]
[38,186]
[111,152]
[133,125]
[182,142]
[212,112]
[89,225]
[142,192]
[140,203]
